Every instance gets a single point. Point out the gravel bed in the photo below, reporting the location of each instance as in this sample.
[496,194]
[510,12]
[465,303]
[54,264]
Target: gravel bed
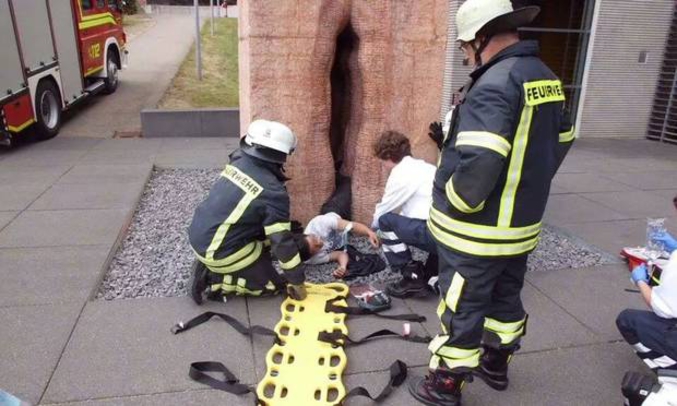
[154,259]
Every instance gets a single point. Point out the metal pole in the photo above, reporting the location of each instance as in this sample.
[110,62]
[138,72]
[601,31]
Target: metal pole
[211,13]
[198,51]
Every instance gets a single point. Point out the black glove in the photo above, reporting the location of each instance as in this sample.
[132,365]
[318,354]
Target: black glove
[436,133]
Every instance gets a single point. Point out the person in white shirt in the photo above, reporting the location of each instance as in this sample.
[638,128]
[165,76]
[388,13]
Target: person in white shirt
[653,334]
[402,213]
[332,230]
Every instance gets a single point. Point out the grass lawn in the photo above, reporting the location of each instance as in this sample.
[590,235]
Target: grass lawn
[219,86]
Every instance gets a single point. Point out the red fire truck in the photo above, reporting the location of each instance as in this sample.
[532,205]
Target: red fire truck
[53,54]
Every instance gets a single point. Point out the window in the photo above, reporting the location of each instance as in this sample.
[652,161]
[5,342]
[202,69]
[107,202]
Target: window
[86,5]
[563,31]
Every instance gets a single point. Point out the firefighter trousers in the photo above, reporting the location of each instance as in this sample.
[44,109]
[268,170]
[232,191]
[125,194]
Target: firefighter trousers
[259,278]
[480,304]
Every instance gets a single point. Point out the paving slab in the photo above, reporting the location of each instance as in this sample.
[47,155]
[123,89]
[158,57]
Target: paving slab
[193,143]
[190,397]
[64,228]
[33,276]
[6,217]
[572,208]
[33,338]
[588,375]
[95,174]
[588,182]
[378,354]
[124,347]
[634,204]
[193,158]
[549,326]
[122,156]
[42,158]
[90,196]
[31,175]
[654,180]
[594,296]
[611,236]
[128,144]
[62,143]
[18,197]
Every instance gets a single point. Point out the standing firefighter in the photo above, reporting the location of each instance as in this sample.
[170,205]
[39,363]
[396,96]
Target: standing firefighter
[507,139]
[246,212]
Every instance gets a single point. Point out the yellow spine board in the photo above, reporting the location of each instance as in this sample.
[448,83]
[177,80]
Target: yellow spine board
[304,371]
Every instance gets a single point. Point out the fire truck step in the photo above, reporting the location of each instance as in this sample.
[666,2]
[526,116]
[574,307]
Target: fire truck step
[95,87]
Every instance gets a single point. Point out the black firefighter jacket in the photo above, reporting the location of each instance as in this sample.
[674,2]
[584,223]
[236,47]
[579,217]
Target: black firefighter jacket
[506,141]
[247,206]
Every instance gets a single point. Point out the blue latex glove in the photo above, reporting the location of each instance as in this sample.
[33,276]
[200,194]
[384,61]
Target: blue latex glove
[640,273]
[668,241]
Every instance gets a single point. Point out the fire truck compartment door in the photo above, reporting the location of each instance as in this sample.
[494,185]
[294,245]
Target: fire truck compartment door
[67,49]
[11,76]
[32,21]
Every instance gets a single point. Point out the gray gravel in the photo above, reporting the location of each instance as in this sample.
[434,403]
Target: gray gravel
[154,258]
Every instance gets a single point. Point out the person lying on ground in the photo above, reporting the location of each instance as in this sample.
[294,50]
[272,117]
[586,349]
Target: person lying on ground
[332,232]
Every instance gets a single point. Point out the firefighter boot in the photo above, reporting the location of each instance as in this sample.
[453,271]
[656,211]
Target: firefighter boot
[493,368]
[198,282]
[441,387]
[414,283]
[636,387]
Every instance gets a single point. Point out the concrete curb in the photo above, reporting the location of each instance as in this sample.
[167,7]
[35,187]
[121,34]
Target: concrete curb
[190,123]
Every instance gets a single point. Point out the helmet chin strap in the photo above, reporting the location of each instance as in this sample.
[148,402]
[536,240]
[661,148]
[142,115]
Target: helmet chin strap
[478,50]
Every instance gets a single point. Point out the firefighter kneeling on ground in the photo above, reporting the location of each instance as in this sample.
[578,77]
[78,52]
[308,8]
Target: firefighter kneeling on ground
[653,334]
[507,138]
[244,218]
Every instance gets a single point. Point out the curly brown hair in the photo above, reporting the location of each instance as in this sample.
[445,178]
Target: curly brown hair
[392,146]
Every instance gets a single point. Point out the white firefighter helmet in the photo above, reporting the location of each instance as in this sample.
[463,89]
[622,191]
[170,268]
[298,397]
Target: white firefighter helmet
[269,140]
[491,16]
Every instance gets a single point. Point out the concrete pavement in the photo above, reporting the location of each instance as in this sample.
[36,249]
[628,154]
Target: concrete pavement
[67,202]
[154,58]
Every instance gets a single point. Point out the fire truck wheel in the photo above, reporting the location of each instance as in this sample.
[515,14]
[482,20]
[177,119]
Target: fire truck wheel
[48,110]
[111,80]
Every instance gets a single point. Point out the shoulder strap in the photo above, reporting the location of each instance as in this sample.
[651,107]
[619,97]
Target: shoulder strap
[232,321]
[340,339]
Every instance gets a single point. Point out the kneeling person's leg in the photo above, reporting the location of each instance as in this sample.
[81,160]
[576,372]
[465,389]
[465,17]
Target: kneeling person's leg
[653,338]
[259,278]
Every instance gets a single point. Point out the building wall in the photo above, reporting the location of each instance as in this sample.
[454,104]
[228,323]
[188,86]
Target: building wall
[455,74]
[619,93]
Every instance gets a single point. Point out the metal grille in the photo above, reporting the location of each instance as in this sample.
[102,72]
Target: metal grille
[663,121]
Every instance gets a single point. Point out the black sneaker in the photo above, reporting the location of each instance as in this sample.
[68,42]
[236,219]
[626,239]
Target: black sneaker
[407,287]
[198,282]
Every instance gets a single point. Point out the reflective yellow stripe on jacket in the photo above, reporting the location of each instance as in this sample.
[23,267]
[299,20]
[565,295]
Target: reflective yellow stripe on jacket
[237,261]
[251,191]
[482,240]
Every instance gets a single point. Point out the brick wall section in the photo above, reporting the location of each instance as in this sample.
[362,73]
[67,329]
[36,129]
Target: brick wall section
[286,56]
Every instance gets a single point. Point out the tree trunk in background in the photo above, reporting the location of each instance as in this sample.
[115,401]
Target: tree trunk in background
[339,73]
